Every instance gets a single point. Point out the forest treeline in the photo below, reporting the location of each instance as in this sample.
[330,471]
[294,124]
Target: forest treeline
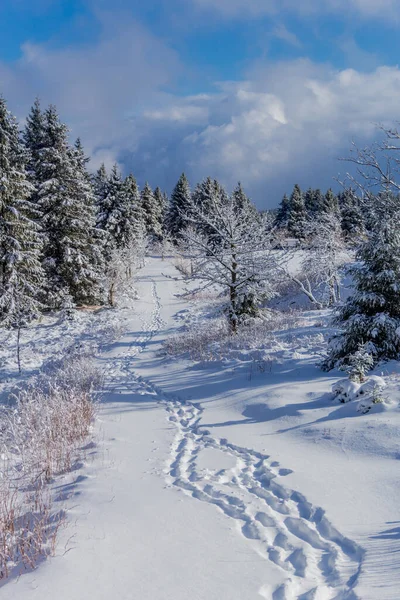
[68,236]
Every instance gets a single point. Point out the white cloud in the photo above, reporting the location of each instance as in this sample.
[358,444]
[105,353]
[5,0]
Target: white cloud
[288,123]
[96,87]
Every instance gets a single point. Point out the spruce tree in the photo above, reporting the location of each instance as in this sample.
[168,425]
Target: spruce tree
[132,194]
[314,201]
[100,187]
[210,197]
[114,216]
[34,137]
[152,212]
[21,275]
[241,201]
[352,220]
[282,216]
[297,216]
[161,201]
[330,203]
[178,208]
[309,201]
[67,203]
[370,318]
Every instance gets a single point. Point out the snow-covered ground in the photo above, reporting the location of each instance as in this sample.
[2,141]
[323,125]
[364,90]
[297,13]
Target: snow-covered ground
[216,480]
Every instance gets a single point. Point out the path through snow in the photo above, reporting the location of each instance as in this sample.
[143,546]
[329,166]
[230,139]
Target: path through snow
[140,534]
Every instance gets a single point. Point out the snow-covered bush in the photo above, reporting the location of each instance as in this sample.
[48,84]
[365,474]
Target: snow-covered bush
[367,393]
[210,339]
[345,390]
[358,364]
[40,436]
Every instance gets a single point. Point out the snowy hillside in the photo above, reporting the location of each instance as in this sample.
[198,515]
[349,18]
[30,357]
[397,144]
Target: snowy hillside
[233,478]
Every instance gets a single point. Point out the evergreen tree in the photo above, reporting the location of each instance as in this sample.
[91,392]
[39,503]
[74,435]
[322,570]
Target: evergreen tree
[21,275]
[152,212]
[100,187]
[34,134]
[67,203]
[330,203]
[161,201]
[178,208]
[81,158]
[210,197]
[282,217]
[241,201]
[370,318]
[297,214]
[115,216]
[352,221]
[314,202]
[34,140]
[135,206]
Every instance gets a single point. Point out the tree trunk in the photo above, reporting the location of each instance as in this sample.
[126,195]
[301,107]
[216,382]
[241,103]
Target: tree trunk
[233,295]
[19,348]
[111,295]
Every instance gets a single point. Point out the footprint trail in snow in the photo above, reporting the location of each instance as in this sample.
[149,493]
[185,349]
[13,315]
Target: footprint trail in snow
[318,562]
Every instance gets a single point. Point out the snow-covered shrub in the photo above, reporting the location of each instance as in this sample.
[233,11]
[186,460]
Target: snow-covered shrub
[40,436]
[371,393]
[368,393]
[199,340]
[211,339]
[358,364]
[345,390]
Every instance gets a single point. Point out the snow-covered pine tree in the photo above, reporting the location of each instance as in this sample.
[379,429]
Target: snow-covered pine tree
[81,158]
[330,203]
[178,208]
[241,201]
[67,203]
[135,206]
[161,201]
[297,214]
[115,212]
[282,216]
[34,138]
[370,318]
[152,212]
[85,264]
[21,274]
[207,196]
[313,201]
[100,188]
[352,220]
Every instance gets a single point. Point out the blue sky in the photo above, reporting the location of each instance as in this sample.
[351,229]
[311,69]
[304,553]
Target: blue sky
[266,91]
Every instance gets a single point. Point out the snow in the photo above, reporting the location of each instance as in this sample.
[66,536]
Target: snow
[222,482]
[345,390]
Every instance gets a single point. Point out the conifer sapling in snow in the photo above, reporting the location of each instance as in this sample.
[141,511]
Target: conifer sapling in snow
[370,318]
